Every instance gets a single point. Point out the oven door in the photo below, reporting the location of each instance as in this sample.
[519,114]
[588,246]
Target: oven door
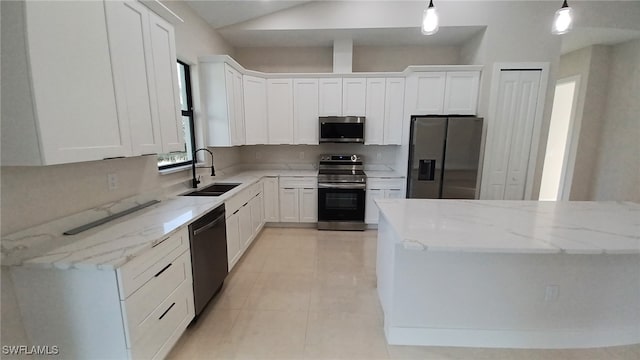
[341,202]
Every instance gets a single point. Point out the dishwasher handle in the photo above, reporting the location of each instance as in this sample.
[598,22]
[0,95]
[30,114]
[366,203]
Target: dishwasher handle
[208,226]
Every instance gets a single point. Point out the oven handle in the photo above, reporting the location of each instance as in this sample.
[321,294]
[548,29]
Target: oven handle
[342,186]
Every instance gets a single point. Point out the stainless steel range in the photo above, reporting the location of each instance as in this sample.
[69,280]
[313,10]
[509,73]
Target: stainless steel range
[341,192]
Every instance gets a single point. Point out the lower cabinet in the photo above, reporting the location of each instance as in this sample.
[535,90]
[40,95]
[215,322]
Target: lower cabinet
[298,199]
[137,311]
[245,219]
[381,189]
[271,199]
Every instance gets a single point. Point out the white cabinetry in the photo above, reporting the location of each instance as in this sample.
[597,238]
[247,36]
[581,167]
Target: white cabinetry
[381,188]
[280,110]
[298,199]
[330,97]
[354,94]
[445,92]
[271,199]
[305,111]
[222,100]
[385,110]
[244,220]
[255,110]
[137,311]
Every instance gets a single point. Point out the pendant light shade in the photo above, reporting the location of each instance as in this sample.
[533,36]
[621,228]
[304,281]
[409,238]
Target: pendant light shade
[563,21]
[430,20]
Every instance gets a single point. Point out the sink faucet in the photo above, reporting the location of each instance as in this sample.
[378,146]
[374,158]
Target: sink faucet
[195,181]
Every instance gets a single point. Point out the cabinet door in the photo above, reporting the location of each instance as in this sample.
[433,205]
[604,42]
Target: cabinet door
[271,202]
[163,47]
[72,82]
[280,111]
[289,205]
[308,205]
[394,194]
[374,127]
[371,210]
[255,110]
[238,109]
[246,226]
[354,95]
[394,111]
[430,93]
[257,219]
[133,75]
[305,111]
[233,239]
[330,97]
[461,92]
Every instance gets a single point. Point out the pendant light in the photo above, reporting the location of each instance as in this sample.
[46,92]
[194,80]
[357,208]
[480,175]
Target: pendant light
[563,21]
[430,20]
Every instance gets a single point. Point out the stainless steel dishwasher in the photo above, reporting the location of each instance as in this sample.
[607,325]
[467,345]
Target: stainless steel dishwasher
[208,238]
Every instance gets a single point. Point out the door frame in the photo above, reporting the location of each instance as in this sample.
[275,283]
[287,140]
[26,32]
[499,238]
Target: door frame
[573,136]
[537,124]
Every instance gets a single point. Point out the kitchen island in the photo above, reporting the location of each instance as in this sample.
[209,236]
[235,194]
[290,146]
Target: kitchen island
[518,274]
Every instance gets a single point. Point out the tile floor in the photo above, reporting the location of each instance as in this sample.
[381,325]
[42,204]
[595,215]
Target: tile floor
[308,294]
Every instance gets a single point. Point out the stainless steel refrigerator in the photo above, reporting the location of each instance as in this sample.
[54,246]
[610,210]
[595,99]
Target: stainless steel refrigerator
[444,156]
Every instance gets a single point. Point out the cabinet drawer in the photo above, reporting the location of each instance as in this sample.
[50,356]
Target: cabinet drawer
[385,183]
[138,271]
[146,299]
[298,182]
[175,312]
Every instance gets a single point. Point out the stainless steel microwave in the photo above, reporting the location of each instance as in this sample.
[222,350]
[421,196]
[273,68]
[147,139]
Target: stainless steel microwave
[342,129]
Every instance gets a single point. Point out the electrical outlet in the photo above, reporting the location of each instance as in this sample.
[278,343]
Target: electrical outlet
[112,181]
[551,293]
[301,155]
[379,156]
[258,155]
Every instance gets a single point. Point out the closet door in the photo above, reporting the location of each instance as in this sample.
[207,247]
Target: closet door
[509,136]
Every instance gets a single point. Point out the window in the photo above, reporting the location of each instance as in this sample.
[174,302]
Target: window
[175,159]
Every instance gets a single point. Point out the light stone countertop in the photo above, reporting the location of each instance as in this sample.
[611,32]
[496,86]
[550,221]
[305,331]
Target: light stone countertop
[113,244]
[578,227]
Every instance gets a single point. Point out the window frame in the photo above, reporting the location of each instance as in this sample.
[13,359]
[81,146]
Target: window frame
[189,114]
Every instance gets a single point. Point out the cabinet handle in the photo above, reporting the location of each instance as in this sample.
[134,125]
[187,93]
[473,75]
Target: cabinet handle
[149,154]
[115,157]
[161,241]
[163,269]
[166,311]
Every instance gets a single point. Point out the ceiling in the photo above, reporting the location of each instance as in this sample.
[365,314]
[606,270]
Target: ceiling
[222,14]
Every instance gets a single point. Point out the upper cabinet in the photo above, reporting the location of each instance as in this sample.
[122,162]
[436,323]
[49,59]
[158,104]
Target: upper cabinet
[93,95]
[393,111]
[446,93]
[222,102]
[374,125]
[255,109]
[330,97]
[384,111]
[305,111]
[354,92]
[280,110]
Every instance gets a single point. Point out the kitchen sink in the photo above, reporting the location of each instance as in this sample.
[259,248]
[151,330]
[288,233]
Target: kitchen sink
[216,189]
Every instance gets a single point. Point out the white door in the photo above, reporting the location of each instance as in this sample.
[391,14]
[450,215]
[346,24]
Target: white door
[461,92]
[308,205]
[238,109]
[246,225]
[330,97]
[256,213]
[73,89]
[394,111]
[163,46]
[509,139]
[233,239]
[305,111]
[255,110]
[371,210]
[430,93]
[280,110]
[271,199]
[133,75]
[375,114]
[289,205]
[354,96]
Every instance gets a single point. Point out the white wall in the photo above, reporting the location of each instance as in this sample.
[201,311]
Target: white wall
[617,174]
[397,58]
[286,59]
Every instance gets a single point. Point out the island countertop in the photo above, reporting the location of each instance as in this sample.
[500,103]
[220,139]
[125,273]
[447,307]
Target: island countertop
[572,227]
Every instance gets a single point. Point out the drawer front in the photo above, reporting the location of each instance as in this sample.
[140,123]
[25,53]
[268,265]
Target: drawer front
[237,201]
[138,271]
[298,182]
[173,314]
[148,298]
[382,183]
